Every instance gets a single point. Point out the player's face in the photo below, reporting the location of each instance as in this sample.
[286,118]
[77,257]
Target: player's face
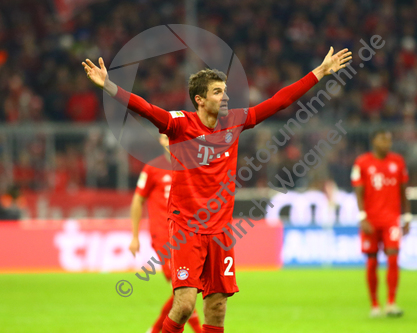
[382,143]
[216,100]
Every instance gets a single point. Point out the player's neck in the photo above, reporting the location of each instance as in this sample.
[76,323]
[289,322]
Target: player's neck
[379,156]
[208,119]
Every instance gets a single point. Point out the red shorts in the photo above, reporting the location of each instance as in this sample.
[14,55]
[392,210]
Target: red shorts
[158,244]
[389,236]
[201,263]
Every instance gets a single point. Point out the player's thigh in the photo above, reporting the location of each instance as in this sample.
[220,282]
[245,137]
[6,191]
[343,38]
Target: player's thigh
[187,259]
[219,275]
[391,237]
[370,242]
[185,297]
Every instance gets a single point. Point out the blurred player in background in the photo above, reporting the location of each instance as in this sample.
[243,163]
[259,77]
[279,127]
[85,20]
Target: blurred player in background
[153,187]
[380,178]
[204,180]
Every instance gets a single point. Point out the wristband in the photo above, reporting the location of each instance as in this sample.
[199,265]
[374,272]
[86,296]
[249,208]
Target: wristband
[362,215]
[407,217]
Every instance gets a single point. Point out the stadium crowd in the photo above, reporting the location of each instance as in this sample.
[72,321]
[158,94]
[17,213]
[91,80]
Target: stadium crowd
[277,42]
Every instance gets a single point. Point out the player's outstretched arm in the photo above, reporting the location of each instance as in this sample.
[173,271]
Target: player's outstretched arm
[98,75]
[332,63]
[288,95]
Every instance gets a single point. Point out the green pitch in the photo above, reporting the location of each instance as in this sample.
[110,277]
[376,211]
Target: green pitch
[290,300]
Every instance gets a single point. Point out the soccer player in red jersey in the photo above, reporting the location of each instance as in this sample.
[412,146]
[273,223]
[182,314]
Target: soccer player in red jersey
[380,178]
[203,147]
[153,187]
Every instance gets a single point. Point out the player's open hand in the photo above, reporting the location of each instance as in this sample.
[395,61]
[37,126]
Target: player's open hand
[334,62]
[366,227]
[134,246]
[97,75]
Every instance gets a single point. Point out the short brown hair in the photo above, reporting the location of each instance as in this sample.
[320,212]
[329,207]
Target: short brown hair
[199,82]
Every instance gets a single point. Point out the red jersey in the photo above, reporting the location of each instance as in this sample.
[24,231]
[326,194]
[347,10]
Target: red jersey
[154,184]
[203,158]
[382,180]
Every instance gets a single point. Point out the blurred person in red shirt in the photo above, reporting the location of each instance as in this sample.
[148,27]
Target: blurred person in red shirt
[375,98]
[83,105]
[380,178]
[23,172]
[21,104]
[154,185]
[75,163]
[59,178]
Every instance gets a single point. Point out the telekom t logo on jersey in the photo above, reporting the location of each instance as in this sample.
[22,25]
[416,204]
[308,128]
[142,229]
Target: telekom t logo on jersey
[378,180]
[207,153]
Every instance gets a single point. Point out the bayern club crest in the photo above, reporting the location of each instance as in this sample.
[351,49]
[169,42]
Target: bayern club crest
[392,167]
[182,273]
[228,138]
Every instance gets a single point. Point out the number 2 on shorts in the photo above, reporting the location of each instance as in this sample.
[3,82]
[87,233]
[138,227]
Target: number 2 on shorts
[230,261]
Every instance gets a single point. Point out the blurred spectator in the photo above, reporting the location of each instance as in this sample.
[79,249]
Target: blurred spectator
[23,172]
[83,105]
[375,98]
[11,204]
[101,168]
[59,177]
[21,104]
[76,167]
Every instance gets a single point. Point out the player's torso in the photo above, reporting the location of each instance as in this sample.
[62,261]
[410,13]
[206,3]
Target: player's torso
[203,157]
[382,188]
